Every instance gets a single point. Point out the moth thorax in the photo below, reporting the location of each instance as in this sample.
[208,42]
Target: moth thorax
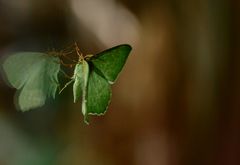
[88,56]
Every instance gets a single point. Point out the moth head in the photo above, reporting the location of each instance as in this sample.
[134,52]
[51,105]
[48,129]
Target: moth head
[88,57]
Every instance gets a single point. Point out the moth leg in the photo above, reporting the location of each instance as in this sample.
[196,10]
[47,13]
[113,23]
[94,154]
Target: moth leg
[65,74]
[67,65]
[68,58]
[79,53]
[66,85]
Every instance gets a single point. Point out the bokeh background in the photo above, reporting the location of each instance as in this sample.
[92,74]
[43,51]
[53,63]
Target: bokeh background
[176,102]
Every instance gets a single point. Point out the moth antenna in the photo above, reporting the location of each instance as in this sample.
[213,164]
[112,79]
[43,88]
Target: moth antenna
[72,60]
[53,53]
[67,51]
[65,74]
[63,52]
[65,55]
[67,65]
[80,55]
[69,47]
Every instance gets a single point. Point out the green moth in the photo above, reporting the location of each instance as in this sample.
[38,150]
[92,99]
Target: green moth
[93,76]
[34,75]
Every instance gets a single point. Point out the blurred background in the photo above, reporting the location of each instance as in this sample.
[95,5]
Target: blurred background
[176,102]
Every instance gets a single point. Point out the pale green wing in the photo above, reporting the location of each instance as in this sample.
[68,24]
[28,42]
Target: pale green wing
[18,67]
[98,95]
[111,61]
[80,77]
[35,75]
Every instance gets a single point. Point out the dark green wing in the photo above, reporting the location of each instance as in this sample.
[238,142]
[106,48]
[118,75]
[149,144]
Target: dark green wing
[98,94]
[111,61]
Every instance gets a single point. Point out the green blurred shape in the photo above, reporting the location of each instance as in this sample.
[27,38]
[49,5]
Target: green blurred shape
[35,75]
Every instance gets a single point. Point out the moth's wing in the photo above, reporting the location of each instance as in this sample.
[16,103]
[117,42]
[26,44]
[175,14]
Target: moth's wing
[33,94]
[110,62]
[80,77]
[35,74]
[18,67]
[98,95]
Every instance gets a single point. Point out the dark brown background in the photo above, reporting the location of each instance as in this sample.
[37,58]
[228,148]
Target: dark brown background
[176,101]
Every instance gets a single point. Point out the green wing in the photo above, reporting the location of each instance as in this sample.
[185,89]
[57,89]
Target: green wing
[35,75]
[81,73]
[80,77]
[98,95]
[110,62]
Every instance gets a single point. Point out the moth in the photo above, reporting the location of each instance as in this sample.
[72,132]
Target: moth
[93,77]
[35,76]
